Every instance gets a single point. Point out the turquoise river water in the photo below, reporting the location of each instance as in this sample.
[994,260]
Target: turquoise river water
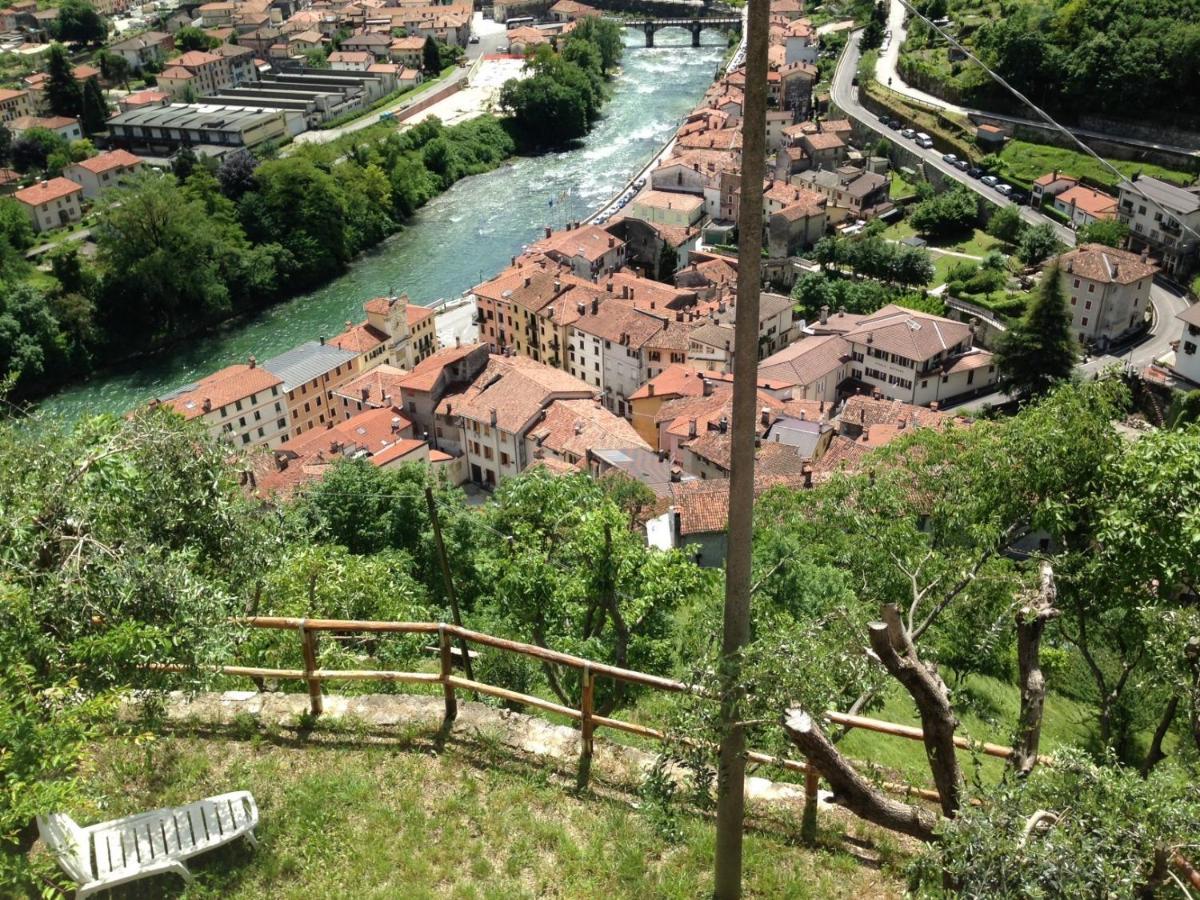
[461,237]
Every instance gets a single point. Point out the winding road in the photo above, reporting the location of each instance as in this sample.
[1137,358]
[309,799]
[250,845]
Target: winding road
[1168,301]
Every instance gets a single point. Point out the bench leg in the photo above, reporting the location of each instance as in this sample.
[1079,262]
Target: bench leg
[251,840]
[183,872]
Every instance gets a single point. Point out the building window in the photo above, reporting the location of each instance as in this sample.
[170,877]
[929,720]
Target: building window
[1087,305]
[1076,282]
[1084,322]
[1091,288]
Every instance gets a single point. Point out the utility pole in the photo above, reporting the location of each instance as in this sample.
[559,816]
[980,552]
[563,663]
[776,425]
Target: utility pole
[731,772]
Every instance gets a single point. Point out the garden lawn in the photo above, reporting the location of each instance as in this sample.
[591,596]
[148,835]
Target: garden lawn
[346,814]
[1024,162]
[977,243]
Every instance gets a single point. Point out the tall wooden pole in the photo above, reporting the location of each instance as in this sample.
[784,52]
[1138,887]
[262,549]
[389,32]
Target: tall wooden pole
[448,578]
[731,773]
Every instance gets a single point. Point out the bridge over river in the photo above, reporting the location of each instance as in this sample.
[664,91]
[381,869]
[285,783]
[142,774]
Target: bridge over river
[695,25]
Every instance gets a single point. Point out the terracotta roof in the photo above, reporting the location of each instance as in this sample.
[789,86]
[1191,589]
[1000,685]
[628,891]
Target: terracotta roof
[106,162]
[221,388]
[1095,203]
[1097,262]
[617,321]
[577,426]
[176,73]
[140,98]
[913,335]
[842,455]
[417,314]
[589,241]
[370,430]
[1051,177]
[517,389]
[196,59]
[527,286]
[825,140]
[866,412]
[379,382]
[47,191]
[351,56]
[425,374]
[398,450]
[975,359]
[678,381]
[359,338]
[807,360]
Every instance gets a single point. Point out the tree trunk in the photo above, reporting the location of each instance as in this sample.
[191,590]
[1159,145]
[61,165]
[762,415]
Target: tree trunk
[894,648]
[850,789]
[1031,623]
[731,770]
[1155,754]
[1192,651]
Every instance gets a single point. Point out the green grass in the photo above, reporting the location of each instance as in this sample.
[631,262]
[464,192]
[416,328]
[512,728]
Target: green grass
[1024,162]
[900,188]
[348,814]
[988,710]
[978,243]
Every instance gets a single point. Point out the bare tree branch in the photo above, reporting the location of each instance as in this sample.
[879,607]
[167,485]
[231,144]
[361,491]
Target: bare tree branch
[1032,617]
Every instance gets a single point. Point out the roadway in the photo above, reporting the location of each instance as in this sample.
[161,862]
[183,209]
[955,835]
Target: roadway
[1167,301]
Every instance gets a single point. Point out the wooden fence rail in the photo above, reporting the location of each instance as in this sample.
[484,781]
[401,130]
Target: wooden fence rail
[313,676]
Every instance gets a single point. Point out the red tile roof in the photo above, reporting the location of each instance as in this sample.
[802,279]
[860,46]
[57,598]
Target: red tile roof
[222,387]
[360,338]
[47,191]
[106,162]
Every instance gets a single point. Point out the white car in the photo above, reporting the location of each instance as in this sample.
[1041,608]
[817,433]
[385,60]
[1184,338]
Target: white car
[1004,189]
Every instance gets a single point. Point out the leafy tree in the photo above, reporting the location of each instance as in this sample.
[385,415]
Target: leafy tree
[1185,409]
[31,344]
[192,38]
[15,227]
[605,35]
[184,162]
[63,92]
[236,173]
[305,210]
[143,232]
[32,150]
[94,110]
[1039,351]
[316,58]
[559,102]
[6,142]
[431,57]
[1037,244]
[114,68]
[79,23]
[668,261]
[872,35]
[1006,224]
[948,213]
[1111,232]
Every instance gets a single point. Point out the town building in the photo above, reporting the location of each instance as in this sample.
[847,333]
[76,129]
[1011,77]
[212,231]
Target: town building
[15,104]
[104,171]
[422,389]
[243,404]
[570,430]
[1157,213]
[163,129]
[309,374]
[1187,352]
[147,48]
[373,389]
[64,126]
[51,204]
[589,250]
[1084,205]
[1108,291]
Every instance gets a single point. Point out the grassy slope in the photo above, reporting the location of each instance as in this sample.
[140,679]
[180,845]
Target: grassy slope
[343,816]
[1024,162]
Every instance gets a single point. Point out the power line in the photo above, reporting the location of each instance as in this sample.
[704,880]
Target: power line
[907,4]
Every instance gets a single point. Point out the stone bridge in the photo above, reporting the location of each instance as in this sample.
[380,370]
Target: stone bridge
[695,25]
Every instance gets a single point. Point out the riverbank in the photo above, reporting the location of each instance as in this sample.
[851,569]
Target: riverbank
[456,240]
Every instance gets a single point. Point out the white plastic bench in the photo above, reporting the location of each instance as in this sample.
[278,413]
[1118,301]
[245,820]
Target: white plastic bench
[101,856]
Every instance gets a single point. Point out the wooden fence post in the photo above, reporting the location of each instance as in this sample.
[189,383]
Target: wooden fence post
[808,824]
[587,728]
[447,671]
[308,647]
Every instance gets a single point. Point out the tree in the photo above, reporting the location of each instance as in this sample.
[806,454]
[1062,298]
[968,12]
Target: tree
[605,35]
[1110,232]
[872,35]
[1184,410]
[192,38]
[62,90]
[668,262]
[79,23]
[948,213]
[114,68]
[1039,351]
[184,163]
[431,57]
[1006,224]
[1037,244]
[94,110]
[236,173]
[6,142]
[31,344]
[33,149]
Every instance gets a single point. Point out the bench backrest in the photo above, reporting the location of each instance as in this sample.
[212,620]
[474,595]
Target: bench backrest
[69,843]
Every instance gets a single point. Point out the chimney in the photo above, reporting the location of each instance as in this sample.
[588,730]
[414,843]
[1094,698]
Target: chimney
[691,428]
[253,361]
[825,314]
[557,285]
[877,394]
[395,424]
[803,418]
[206,405]
[707,387]
[806,470]
[579,428]
[581,307]
[612,241]
[548,231]
[347,323]
[650,389]
[679,315]
[513,262]
[676,475]
[934,405]
[492,415]
[458,340]
[528,280]
[595,305]
[334,446]
[765,417]
[366,392]
[624,290]
[723,424]
[322,340]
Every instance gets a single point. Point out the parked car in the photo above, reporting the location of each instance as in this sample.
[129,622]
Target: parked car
[640,183]
[962,165]
[908,133]
[474,39]
[1004,189]
[990,180]
[975,172]
[1019,197]
[950,158]
[893,124]
[925,143]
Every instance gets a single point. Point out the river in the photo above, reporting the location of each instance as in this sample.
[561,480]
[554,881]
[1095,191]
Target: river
[458,239]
